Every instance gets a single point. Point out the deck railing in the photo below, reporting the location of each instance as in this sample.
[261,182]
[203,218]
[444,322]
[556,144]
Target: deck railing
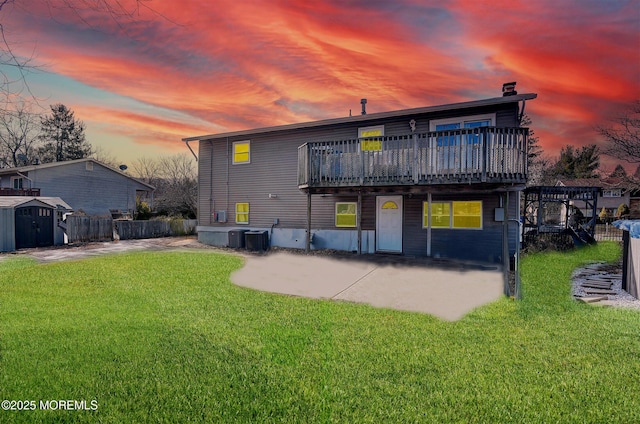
[470,155]
[19,192]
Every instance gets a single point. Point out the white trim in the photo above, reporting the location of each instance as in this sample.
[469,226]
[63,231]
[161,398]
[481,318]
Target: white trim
[612,192]
[371,128]
[336,214]
[233,152]
[235,216]
[451,215]
[14,179]
[399,201]
[462,119]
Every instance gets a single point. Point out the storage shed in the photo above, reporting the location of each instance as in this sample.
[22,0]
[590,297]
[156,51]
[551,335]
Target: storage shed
[31,222]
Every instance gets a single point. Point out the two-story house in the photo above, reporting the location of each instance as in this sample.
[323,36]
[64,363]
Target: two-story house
[438,181]
[88,185]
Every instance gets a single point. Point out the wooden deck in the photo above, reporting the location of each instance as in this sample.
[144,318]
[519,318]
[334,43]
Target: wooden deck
[32,192]
[463,156]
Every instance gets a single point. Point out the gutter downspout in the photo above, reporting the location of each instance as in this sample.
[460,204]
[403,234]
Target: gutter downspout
[521,112]
[24,176]
[190,149]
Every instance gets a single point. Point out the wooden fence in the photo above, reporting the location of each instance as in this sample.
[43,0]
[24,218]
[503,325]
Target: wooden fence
[127,230]
[83,229]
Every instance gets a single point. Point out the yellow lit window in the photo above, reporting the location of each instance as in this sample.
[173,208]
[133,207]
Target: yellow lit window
[346,215]
[371,142]
[440,215]
[241,152]
[242,213]
[467,214]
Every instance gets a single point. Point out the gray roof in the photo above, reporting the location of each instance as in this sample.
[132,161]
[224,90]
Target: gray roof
[17,201]
[28,168]
[369,117]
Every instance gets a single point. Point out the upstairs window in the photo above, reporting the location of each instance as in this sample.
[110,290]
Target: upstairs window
[371,138]
[241,152]
[17,183]
[455,150]
[615,192]
[459,123]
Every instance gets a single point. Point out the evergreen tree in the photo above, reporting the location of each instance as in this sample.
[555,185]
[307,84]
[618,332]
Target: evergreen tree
[62,136]
[619,172]
[533,148]
[574,163]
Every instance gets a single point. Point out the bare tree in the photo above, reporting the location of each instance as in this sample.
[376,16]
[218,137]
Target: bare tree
[101,155]
[146,169]
[19,133]
[175,179]
[15,85]
[180,185]
[623,136]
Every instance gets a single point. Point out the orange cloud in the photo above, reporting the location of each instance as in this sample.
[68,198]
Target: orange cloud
[232,65]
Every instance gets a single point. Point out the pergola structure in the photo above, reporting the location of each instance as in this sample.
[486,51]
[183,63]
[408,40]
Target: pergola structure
[536,216]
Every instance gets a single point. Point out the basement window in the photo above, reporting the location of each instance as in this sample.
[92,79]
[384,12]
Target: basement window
[346,214]
[242,213]
[456,215]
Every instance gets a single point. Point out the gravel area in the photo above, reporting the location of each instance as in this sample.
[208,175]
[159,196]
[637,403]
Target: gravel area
[606,271]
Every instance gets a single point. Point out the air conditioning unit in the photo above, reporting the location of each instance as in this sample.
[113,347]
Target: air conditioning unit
[236,238]
[257,241]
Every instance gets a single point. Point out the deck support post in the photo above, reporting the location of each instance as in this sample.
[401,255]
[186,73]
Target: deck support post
[516,270]
[359,222]
[505,244]
[429,224]
[308,240]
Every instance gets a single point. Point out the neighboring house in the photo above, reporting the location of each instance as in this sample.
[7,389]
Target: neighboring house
[432,181]
[634,204]
[613,193]
[31,222]
[87,185]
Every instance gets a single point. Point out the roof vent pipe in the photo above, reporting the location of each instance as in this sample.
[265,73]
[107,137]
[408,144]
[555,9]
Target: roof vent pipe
[363,102]
[509,89]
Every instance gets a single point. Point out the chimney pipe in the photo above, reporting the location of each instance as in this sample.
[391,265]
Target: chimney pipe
[509,89]
[363,102]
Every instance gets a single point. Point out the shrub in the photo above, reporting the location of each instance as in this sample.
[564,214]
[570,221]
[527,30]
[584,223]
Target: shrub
[623,210]
[143,211]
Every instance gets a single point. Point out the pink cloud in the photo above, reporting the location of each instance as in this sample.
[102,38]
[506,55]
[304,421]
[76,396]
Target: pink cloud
[251,64]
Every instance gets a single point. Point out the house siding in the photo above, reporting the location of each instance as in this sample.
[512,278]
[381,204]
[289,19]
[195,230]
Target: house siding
[273,170]
[481,245]
[7,230]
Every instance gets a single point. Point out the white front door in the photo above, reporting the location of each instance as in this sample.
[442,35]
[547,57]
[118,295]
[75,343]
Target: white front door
[389,223]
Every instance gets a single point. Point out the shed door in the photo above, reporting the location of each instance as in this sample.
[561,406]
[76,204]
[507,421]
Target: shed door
[389,223]
[34,227]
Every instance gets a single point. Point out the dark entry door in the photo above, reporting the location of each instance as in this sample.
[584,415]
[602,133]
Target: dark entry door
[34,227]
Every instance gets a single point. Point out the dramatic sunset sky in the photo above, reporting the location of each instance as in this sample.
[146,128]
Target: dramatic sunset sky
[184,68]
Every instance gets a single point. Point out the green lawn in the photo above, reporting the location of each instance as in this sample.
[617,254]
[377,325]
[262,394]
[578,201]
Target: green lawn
[165,337]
